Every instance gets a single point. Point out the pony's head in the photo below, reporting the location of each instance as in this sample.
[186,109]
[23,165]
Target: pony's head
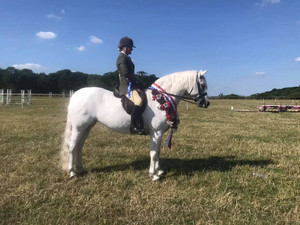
[199,90]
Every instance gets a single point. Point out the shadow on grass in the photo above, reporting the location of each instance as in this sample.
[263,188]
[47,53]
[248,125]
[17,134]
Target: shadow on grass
[188,166]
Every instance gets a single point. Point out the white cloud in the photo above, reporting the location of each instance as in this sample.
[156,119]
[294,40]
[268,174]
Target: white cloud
[30,66]
[297,59]
[46,35]
[57,17]
[53,17]
[274,1]
[95,40]
[267,2]
[81,48]
[92,40]
[260,73]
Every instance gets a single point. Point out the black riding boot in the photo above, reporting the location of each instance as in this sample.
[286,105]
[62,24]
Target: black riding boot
[140,123]
[137,125]
[134,126]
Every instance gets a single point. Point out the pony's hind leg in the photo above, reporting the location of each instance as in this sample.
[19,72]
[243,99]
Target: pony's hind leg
[73,147]
[78,156]
[78,153]
[154,170]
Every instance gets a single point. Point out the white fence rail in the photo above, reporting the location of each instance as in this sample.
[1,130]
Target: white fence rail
[9,98]
[1,96]
[25,97]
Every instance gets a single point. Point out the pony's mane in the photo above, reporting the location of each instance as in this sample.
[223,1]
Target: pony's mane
[177,79]
[175,74]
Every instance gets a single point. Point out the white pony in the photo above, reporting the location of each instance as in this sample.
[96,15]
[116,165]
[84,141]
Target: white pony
[91,105]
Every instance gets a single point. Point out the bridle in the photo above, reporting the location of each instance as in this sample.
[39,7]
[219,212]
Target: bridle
[202,94]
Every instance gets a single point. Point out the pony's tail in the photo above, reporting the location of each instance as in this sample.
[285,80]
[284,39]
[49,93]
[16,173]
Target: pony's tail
[64,153]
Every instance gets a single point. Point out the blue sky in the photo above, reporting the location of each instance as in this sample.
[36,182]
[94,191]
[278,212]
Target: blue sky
[247,46]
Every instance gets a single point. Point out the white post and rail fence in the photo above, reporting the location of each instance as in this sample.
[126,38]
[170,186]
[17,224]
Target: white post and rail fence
[7,97]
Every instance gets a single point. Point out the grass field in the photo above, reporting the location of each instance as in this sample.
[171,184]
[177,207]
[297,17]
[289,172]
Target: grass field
[224,167]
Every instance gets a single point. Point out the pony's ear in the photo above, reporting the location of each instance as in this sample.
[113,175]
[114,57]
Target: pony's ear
[202,72]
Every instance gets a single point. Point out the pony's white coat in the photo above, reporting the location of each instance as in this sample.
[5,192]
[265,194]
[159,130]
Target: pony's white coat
[91,105]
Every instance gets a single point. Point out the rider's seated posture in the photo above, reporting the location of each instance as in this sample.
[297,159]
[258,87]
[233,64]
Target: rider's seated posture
[130,85]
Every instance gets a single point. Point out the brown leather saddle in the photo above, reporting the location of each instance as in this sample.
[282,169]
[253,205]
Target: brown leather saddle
[127,103]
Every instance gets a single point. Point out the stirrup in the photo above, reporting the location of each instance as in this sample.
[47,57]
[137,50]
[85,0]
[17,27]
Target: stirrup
[142,132]
[134,130]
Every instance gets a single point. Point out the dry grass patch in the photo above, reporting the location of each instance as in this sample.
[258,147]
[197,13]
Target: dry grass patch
[209,169]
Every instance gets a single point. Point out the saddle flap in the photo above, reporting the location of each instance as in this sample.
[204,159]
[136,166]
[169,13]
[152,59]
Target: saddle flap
[128,104]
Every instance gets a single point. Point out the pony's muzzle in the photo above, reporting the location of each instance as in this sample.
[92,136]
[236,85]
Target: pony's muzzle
[202,100]
[203,103]
[206,104]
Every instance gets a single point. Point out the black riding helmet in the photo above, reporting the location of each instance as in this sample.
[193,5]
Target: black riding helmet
[126,41]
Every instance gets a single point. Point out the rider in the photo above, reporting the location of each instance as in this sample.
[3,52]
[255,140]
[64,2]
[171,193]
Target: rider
[130,85]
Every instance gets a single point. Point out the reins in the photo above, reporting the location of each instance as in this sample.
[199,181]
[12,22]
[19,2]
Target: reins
[183,98]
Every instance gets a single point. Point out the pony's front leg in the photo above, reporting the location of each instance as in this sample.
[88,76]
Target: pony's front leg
[154,170]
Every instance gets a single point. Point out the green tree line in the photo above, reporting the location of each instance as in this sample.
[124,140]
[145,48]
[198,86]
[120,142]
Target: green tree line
[283,93]
[63,80]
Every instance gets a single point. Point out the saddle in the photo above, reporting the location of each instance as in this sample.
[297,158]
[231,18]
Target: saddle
[126,102]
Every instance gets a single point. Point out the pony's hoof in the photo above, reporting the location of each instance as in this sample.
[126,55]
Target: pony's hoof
[72,174]
[160,172]
[155,177]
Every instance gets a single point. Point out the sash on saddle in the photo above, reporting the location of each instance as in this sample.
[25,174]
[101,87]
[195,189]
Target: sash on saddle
[126,102]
